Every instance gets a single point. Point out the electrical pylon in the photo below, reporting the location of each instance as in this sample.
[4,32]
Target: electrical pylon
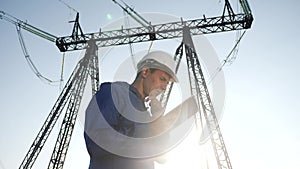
[71,96]
[199,89]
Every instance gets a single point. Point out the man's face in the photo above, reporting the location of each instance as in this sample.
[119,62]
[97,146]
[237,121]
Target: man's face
[155,80]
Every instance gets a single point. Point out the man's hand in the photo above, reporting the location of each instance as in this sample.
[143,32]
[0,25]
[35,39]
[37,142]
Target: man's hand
[156,109]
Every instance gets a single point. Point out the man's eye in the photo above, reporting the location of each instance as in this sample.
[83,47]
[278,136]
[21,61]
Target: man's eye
[163,79]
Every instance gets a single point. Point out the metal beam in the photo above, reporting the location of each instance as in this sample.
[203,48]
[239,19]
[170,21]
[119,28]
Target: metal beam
[200,90]
[27,27]
[159,32]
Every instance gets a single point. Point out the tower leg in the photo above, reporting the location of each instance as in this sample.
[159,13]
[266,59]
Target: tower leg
[71,97]
[200,90]
[86,67]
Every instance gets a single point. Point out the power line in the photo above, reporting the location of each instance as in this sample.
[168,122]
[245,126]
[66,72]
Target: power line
[67,5]
[229,58]
[30,62]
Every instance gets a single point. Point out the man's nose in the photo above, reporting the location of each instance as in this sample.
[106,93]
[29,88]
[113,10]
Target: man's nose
[164,86]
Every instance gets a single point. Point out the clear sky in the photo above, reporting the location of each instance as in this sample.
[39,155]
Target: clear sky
[260,122]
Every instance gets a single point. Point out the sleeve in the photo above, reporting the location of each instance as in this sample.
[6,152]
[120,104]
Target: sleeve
[106,130]
[101,118]
[106,105]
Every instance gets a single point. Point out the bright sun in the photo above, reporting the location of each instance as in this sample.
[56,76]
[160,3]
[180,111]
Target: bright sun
[189,154]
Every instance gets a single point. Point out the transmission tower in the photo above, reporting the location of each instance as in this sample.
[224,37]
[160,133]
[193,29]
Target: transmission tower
[70,97]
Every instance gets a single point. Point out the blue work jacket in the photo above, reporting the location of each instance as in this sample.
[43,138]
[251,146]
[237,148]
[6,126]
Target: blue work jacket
[115,118]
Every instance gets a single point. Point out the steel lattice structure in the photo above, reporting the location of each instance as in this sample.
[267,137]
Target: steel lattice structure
[199,88]
[70,98]
[157,32]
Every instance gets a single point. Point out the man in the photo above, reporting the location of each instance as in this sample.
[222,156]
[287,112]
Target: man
[118,124]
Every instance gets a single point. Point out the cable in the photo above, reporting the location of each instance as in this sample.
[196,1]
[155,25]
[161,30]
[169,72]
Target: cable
[29,61]
[150,46]
[62,72]
[127,25]
[231,57]
[131,49]
[228,59]
[67,5]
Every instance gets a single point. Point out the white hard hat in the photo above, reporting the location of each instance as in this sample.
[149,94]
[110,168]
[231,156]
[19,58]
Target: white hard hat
[159,60]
